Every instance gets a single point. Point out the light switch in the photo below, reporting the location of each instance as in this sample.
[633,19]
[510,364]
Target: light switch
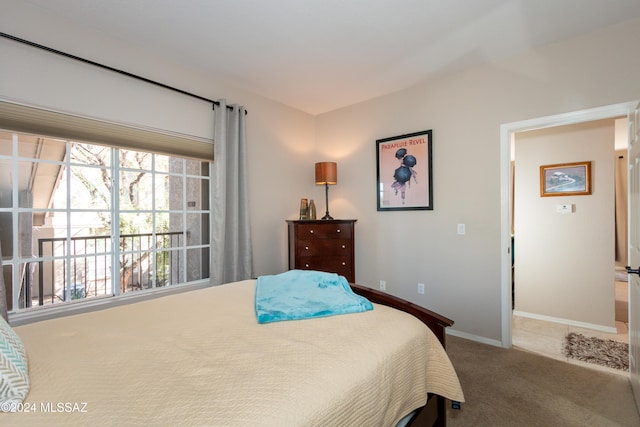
[461,229]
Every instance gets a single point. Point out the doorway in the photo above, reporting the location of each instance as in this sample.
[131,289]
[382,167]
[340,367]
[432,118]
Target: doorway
[506,132]
[564,259]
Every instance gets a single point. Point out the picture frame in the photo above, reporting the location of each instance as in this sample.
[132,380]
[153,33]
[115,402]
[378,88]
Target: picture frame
[404,172]
[565,179]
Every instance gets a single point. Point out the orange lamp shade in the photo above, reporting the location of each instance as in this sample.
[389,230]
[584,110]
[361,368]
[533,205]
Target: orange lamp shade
[326,173]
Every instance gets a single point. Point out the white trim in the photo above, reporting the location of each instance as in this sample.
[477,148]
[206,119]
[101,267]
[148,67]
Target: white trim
[472,337]
[506,129]
[115,210]
[568,322]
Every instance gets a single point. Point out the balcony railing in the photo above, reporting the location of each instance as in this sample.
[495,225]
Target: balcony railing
[81,267]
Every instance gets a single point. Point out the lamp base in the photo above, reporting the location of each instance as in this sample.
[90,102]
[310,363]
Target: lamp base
[326,195]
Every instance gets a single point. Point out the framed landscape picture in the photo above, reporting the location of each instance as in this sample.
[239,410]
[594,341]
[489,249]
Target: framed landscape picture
[404,172]
[565,179]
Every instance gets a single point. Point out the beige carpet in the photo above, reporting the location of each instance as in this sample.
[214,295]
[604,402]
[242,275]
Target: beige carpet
[516,388]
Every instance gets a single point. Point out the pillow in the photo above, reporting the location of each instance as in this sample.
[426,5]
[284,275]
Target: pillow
[14,374]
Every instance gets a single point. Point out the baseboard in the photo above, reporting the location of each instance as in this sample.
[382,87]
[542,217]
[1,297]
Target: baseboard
[568,322]
[476,338]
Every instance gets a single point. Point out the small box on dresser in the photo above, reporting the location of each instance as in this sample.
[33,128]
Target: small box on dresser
[323,245]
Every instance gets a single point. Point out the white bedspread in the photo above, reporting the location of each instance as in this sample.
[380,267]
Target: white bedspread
[200,358]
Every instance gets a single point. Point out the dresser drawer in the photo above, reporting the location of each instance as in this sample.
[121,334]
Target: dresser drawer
[324,231]
[339,265]
[323,245]
[341,247]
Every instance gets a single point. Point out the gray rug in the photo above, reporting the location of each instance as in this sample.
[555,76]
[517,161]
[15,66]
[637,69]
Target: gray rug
[603,352]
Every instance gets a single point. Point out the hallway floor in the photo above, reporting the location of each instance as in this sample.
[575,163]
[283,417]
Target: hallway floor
[547,338]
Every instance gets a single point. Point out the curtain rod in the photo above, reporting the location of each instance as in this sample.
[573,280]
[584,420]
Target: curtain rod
[106,67]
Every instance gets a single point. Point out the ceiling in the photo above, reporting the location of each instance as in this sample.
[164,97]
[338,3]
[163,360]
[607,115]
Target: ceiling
[321,55]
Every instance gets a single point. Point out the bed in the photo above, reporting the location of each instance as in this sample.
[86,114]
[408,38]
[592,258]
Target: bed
[201,358]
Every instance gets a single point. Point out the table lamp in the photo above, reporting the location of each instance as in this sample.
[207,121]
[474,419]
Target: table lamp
[326,174]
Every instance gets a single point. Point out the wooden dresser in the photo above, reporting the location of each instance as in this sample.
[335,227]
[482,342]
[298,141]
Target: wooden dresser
[323,245]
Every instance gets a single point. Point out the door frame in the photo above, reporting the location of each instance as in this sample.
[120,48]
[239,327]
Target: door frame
[506,130]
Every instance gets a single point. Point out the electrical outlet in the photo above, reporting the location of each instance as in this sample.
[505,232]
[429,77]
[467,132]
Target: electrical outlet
[461,229]
[421,288]
[383,285]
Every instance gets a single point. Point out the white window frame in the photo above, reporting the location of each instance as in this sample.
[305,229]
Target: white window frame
[22,316]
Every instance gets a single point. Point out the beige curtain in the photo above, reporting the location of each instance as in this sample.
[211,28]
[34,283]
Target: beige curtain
[621,206]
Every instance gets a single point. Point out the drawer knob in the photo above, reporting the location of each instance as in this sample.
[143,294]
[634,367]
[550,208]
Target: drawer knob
[311,231]
[344,247]
[306,248]
[306,265]
[344,263]
[338,230]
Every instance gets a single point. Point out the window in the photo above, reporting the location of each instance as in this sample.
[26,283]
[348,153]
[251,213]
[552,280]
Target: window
[82,221]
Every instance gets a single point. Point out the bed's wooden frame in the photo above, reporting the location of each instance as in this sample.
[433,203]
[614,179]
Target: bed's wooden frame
[434,412]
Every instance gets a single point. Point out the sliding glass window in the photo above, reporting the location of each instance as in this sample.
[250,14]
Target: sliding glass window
[80,221]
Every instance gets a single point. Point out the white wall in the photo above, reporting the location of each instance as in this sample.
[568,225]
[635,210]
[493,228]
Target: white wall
[565,262]
[281,139]
[465,111]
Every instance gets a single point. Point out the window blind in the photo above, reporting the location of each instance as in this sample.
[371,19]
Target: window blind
[29,119]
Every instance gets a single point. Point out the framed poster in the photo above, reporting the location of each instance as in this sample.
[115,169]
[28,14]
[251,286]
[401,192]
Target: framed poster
[565,179]
[404,172]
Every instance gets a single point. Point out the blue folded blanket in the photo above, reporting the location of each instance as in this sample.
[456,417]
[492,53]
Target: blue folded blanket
[305,294]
